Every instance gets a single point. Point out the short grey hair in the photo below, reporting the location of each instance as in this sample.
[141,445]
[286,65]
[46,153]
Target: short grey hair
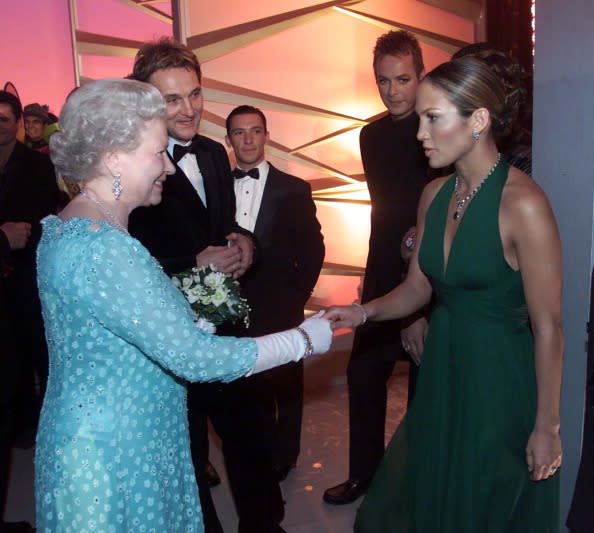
[100,117]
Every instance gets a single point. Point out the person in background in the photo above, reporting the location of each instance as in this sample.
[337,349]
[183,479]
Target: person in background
[265,411]
[13,236]
[112,446]
[479,448]
[396,171]
[28,192]
[195,224]
[36,119]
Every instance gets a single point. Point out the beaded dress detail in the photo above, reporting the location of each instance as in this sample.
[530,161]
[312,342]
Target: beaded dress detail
[113,450]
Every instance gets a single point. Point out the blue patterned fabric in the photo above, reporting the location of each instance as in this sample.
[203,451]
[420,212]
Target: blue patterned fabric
[112,446]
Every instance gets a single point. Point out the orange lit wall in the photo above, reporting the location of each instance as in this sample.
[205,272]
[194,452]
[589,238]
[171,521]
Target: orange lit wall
[36,50]
[306,64]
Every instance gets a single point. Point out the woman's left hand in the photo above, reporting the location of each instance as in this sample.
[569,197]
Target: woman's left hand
[543,453]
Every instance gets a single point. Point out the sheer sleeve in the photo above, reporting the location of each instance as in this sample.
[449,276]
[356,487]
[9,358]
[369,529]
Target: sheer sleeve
[130,295]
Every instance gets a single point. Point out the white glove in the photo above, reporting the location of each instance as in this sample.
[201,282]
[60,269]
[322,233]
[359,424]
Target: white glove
[286,346]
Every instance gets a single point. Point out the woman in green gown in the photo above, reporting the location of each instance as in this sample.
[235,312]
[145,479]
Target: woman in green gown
[479,448]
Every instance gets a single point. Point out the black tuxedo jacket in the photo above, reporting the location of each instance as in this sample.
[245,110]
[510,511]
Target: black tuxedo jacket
[181,226]
[28,193]
[290,256]
[396,171]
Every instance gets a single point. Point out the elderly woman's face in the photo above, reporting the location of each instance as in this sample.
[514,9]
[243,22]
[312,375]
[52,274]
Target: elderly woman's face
[145,169]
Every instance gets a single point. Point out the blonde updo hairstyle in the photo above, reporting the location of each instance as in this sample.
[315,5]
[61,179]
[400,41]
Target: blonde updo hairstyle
[100,117]
[470,84]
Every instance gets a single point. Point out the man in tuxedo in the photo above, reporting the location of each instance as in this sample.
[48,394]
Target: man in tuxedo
[259,417]
[194,225]
[195,222]
[279,210]
[28,192]
[396,170]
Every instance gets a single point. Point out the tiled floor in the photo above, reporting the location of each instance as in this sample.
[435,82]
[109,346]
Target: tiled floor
[323,461]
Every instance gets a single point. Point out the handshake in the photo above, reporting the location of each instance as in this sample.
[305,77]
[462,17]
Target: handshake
[312,336]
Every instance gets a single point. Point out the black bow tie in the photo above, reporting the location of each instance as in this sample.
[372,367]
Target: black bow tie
[180,151]
[252,173]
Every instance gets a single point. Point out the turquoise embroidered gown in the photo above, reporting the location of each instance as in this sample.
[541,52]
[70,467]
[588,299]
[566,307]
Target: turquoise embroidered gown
[113,452]
[457,462]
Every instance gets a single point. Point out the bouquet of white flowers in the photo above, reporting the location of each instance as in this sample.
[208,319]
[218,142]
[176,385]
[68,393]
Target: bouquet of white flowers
[213,296]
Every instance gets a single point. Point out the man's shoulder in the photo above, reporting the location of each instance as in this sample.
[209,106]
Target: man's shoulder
[207,144]
[23,155]
[377,125]
[287,178]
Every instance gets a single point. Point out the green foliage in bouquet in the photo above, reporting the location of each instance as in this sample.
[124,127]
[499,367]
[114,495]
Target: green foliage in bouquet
[213,296]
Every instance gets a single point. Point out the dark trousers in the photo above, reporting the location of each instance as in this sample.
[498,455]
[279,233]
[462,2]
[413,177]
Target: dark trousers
[367,375]
[6,439]
[286,386]
[242,414]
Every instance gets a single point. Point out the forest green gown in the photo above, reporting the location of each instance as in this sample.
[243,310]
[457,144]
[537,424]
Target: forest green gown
[457,462]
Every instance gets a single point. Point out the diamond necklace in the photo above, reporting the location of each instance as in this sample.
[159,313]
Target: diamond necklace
[114,220]
[461,202]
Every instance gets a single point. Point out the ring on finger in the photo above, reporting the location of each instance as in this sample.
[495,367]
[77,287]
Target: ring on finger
[407,347]
[552,470]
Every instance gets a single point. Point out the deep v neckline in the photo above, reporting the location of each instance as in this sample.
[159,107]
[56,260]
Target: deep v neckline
[460,221]
[446,258]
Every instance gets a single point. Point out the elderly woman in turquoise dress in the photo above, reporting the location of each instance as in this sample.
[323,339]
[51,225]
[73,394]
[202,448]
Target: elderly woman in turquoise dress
[112,446]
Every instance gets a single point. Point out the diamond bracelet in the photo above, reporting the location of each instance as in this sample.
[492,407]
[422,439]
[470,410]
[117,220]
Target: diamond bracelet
[309,349]
[363,312]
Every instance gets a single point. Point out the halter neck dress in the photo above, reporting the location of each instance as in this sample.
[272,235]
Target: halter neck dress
[457,462]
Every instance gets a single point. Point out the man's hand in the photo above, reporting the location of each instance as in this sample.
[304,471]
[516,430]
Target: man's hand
[246,246]
[17,233]
[225,259]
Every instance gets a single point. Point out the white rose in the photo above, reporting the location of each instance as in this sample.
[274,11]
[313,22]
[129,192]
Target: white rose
[219,297]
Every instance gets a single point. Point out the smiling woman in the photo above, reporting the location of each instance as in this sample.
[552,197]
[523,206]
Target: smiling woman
[112,448]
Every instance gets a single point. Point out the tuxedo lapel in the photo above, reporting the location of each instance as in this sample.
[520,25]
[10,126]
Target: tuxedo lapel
[268,206]
[179,185]
[208,169]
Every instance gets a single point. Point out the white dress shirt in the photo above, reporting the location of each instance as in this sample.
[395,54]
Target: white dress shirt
[189,164]
[248,197]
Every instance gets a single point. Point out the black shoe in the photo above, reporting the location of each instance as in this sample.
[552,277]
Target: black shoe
[346,492]
[211,475]
[283,471]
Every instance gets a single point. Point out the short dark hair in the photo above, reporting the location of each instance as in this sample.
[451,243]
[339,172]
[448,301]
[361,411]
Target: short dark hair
[13,102]
[162,54]
[399,43]
[244,110]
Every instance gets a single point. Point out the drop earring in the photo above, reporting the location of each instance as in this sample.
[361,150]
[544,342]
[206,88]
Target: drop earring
[116,186]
